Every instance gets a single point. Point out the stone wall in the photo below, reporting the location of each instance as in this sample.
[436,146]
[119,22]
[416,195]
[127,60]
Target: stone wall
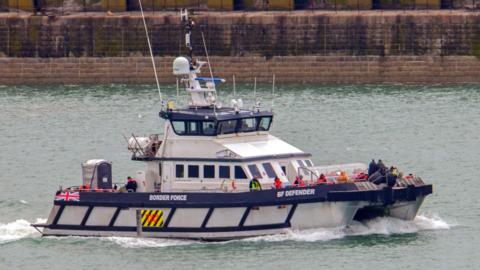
[310,47]
[287,69]
[245,34]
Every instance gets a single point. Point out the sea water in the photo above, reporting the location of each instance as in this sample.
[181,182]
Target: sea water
[431,131]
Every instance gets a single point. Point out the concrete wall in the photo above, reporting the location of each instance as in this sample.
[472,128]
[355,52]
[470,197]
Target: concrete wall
[245,34]
[311,47]
[287,69]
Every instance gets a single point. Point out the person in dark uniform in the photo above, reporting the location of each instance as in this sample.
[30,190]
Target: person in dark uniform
[131,185]
[372,167]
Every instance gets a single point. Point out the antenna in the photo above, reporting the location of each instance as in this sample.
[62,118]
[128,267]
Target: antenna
[151,52]
[234,89]
[208,59]
[273,90]
[255,89]
[178,90]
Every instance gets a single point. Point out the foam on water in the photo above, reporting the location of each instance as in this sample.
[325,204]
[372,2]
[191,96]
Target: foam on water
[17,230]
[131,242]
[382,226]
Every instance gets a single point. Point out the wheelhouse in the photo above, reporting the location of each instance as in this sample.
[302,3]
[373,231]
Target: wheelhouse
[209,122]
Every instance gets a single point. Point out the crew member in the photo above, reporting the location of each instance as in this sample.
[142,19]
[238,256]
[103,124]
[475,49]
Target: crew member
[343,177]
[372,167]
[131,185]
[255,185]
[299,181]
[277,183]
[321,179]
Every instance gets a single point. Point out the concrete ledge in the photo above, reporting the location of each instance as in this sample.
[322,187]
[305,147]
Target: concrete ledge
[287,69]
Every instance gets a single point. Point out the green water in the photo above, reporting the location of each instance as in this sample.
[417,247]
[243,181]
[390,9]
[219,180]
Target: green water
[432,131]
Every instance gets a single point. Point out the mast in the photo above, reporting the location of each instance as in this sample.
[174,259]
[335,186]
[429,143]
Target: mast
[201,89]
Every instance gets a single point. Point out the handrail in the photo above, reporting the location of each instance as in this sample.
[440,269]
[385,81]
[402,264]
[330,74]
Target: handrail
[312,173]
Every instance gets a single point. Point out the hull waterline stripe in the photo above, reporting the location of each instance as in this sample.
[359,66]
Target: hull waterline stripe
[207,217]
[171,229]
[114,217]
[87,214]
[59,214]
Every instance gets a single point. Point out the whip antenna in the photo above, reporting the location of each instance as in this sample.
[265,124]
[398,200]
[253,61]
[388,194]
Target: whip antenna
[208,59]
[151,52]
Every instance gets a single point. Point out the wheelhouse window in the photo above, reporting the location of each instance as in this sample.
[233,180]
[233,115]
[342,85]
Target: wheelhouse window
[193,171]
[269,169]
[209,171]
[224,171]
[265,123]
[179,171]
[240,173]
[309,163]
[227,127]
[254,171]
[179,127]
[248,124]
[300,163]
[208,128]
[192,128]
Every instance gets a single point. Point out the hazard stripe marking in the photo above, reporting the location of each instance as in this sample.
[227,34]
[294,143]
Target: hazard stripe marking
[152,218]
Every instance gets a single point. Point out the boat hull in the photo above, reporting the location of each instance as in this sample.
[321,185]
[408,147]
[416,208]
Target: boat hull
[224,216]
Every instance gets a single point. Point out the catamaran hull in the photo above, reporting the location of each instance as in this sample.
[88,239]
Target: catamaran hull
[226,216]
[199,223]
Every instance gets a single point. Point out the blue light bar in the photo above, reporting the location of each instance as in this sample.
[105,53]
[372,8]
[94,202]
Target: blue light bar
[208,79]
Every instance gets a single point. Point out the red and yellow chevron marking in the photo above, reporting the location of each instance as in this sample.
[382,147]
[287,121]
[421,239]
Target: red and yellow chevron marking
[152,218]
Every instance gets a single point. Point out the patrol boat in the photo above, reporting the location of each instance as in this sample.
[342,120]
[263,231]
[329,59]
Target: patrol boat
[196,178]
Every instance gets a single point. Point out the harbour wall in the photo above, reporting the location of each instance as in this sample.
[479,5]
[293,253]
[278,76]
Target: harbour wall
[298,47]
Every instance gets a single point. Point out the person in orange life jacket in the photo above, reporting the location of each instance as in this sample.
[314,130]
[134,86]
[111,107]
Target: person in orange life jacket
[321,179]
[299,181]
[131,184]
[277,183]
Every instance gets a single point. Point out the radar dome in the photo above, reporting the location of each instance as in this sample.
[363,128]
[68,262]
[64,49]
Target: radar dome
[181,66]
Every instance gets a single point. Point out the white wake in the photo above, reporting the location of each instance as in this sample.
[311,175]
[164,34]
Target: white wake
[17,230]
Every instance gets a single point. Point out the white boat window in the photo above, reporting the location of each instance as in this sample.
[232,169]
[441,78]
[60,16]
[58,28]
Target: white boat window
[269,169]
[179,171]
[208,128]
[308,162]
[193,171]
[248,124]
[227,127]
[284,169]
[265,123]
[224,171]
[254,171]
[179,127]
[240,173]
[300,163]
[209,171]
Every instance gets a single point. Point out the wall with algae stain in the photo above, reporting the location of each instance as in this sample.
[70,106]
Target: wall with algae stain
[244,34]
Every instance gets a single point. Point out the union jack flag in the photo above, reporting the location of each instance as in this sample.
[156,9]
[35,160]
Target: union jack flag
[68,196]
